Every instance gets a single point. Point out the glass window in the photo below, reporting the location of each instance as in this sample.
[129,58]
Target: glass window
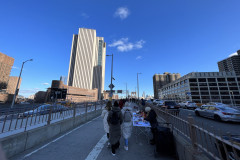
[211,80]
[221,79]
[192,80]
[100,52]
[230,79]
[201,79]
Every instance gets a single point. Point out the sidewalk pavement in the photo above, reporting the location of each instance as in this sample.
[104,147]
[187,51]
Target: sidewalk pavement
[89,141]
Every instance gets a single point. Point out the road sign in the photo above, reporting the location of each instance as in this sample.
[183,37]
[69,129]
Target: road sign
[119,91]
[111,86]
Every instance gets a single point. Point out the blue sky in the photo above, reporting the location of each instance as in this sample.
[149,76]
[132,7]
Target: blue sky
[146,36]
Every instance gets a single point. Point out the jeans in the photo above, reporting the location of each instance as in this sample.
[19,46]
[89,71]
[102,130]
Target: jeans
[126,142]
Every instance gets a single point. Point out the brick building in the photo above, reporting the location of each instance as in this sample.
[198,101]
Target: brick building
[73,94]
[7,84]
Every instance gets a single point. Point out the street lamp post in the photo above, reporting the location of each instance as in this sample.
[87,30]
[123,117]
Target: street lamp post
[138,84]
[111,85]
[18,82]
[126,91]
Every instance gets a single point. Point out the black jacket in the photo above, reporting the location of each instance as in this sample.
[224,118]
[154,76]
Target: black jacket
[152,118]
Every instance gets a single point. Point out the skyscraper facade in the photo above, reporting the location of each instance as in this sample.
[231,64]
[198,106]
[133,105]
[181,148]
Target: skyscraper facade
[160,80]
[87,61]
[230,64]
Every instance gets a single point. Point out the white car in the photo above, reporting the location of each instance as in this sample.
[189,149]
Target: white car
[219,113]
[188,105]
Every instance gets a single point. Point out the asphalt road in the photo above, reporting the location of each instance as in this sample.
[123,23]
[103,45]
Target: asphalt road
[220,128]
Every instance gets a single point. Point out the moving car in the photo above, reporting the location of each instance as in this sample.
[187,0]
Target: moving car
[44,109]
[171,106]
[188,105]
[158,102]
[219,113]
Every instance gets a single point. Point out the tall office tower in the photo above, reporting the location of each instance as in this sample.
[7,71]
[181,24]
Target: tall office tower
[230,64]
[87,61]
[160,80]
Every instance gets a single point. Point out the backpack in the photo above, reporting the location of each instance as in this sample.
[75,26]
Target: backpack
[114,119]
[127,116]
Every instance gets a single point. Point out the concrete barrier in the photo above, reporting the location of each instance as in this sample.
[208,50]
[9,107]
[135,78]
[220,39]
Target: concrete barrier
[20,142]
[185,150]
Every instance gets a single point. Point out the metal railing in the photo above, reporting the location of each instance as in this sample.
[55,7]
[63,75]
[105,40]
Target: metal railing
[20,119]
[219,147]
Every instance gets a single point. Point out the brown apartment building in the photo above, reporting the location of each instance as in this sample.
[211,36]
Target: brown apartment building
[7,83]
[159,80]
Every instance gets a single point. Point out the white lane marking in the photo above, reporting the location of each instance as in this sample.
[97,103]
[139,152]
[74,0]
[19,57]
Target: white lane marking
[97,149]
[58,138]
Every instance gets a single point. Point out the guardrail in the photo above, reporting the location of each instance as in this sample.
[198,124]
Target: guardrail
[222,147]
[17,120]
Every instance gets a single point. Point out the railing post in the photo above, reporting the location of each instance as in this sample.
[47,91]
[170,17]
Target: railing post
[74,110]
[49,116]
[193,133]
[86,111]
[95,106]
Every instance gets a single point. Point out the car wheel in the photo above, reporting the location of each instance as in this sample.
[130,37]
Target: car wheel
[197,114]
[217,118]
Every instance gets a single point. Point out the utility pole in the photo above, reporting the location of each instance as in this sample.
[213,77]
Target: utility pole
[111,85]
[126,91]
[138,84]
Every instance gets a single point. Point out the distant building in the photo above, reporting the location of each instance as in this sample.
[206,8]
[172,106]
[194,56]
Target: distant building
[106,95]
[230,64]
[7,83]
[6,64]
[60,91]
[87,61]
[204,87]
[160,80]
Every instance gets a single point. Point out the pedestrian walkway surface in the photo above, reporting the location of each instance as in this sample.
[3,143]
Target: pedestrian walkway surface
[89,142]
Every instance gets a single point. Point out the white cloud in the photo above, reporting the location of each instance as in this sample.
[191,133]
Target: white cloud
[85,15]
[123,45]
[122,12]
[45,84]
[139,57]
[14,67]
[233,54]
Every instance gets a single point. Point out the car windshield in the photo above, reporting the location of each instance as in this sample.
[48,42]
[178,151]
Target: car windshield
[170,103]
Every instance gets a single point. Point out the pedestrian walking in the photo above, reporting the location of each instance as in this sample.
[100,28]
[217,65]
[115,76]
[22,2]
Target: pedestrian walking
[121,103]
[104,115]
[152,119]
[114,121]
[127,124]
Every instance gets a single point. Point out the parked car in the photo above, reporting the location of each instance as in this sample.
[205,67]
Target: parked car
[45,109]
[219,113]
[171,106]
[188,105]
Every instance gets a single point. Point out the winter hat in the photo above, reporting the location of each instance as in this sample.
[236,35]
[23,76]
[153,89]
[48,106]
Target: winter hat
[147,109]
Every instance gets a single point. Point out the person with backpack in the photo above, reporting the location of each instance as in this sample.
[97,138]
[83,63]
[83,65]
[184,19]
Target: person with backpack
[115,120]
[104,115]
[127,124]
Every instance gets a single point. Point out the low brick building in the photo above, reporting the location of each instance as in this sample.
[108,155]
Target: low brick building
[7,83]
